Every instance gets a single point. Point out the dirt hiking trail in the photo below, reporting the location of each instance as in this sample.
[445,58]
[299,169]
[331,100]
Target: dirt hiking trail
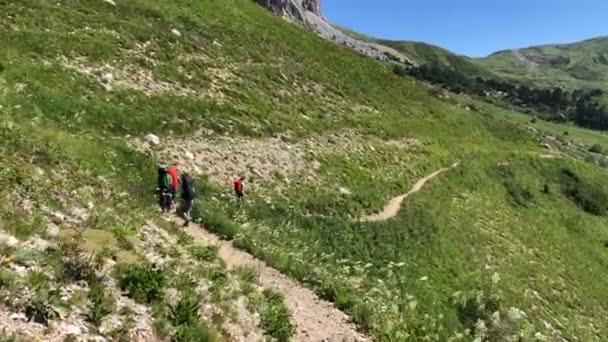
[393,206]
[315,319]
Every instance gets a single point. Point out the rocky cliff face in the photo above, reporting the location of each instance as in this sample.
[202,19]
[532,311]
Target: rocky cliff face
[308,14]
[313,6]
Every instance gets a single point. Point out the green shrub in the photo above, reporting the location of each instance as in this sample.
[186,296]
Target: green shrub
[122,237]
[77,269]
[101,303]
[597,148]
[203,253]
[194,333]
[589,197]
[144,283]
[274,314]
[6,278]
[185,311]
[520,195]
[219,224]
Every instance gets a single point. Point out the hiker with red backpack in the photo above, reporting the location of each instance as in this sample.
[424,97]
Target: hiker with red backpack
[172,171]
[239,188]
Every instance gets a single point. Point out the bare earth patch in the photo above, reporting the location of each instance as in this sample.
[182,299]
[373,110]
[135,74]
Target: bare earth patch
[267,160]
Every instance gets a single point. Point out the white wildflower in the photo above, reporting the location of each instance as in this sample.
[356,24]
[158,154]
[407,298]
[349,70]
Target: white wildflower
[495,278]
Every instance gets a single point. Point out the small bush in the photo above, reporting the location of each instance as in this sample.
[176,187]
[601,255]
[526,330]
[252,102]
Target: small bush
[219,224]
[185,311]
[101,303]
[122,237]
[203,253]
[40,312]
[597,148]
[194,333]
[43,306]
[589,197]
[77,269]
[566,133]
[144,283]
[534,120]
[274,314]
[6,278]
[520,195]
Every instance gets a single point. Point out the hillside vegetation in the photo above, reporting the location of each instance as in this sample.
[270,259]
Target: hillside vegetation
[581,65]
[509,245]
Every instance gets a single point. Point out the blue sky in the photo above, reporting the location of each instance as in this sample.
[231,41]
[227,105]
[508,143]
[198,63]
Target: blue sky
[473,27]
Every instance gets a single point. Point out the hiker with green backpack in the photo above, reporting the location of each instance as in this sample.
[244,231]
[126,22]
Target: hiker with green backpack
[165,189]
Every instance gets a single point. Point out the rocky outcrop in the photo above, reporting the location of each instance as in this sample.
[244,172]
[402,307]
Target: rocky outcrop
[308,14]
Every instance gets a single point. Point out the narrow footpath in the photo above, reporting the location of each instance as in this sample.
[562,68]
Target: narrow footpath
[315,319]
[391,209]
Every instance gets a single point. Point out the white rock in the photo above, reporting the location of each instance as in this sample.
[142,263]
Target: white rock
[111,2]
[80,214]
[21,271]
[345,191]
[425,278]
[40,172]
[189,155]
[70,329]
[52,230]
[107,78]
[152,139]
[19,317]
[39,244]
[196,169]
[176,33]
[8,240]
[57,217]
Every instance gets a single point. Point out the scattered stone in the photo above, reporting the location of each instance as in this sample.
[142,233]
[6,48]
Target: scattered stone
[57,217]
[152,139]
[345,191]
[38,244]
[189,155]
[79,214]
[21,271]
[40,172]
[425,278]
[176,33]
[52,230]
[107,78]
[8,240]
[70,329]
[111,2]
[19,317]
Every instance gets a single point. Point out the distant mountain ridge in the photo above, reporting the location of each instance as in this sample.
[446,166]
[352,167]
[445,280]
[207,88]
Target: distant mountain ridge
[572,65]
[582,64]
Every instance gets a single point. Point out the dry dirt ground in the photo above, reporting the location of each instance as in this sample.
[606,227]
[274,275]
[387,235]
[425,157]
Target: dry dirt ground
[314,318]
[262,160]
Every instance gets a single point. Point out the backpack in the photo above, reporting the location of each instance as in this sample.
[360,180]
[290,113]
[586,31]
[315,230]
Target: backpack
[164,180]
[188,192]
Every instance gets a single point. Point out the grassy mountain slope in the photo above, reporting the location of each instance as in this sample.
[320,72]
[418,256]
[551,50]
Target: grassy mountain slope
[583,64]
[510,243]
[424,53]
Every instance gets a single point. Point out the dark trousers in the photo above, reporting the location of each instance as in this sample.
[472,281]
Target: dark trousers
[187,209]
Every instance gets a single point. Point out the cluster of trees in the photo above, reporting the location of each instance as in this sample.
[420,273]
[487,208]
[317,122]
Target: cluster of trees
[554,104]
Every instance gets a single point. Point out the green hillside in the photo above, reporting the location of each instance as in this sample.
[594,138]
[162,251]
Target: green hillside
[510,244]
[582,65]
[424,53]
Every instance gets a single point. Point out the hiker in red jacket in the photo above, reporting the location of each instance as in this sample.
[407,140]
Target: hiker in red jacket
[239,187]
[172,171]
